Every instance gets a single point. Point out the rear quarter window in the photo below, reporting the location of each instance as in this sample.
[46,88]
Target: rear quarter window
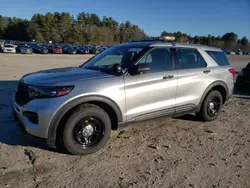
[219,57]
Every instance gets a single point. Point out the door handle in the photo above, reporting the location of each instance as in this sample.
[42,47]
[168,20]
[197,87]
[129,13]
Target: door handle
[168,77]
[206,71]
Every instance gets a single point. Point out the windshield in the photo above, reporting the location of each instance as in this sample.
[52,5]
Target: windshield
[25,46]
[8,46]
[121,55]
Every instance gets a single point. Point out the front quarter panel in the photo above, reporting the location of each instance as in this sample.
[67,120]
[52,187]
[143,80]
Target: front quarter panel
[111,88]
[105,90]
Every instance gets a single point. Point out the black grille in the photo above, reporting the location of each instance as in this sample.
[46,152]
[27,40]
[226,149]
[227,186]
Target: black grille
[22,94]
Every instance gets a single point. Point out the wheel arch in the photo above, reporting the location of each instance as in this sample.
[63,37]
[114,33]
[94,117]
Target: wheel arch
[217,85]
[63,113]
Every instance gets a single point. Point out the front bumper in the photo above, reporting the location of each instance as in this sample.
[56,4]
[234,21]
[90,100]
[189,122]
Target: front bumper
[26,52]
[49,142]
[5,51]
[39,130]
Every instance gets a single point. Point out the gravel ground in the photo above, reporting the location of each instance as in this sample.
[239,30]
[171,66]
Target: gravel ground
[167,152]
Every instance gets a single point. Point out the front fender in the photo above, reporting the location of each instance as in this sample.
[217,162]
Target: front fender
[71,104]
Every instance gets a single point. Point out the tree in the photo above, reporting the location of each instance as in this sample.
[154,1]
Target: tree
[89,28]
[210,40]
[244,42]
[38,37]
[109,22]
[3,25]
[230,40]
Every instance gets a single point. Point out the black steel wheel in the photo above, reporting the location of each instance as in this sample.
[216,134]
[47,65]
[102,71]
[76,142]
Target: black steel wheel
[211,106]
[86,131]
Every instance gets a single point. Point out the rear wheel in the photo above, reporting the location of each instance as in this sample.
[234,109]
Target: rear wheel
[211,106]
[87,130]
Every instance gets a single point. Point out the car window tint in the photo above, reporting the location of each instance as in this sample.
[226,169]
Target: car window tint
[159,59]
[189,59]
[219,57]
[8,46]
[110,60]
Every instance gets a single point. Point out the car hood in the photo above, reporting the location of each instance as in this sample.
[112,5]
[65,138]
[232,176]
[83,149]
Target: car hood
[43,49]
[9,48]
[61,75]
[26,49]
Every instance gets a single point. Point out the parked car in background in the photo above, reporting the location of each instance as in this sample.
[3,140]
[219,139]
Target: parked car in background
[40,49]
[1,43]
[231,52]
[246,53]
[50,48]
[243,79]
[239,52]
[104,48]
[9,48]
[83,50]
[93,50]
[226,51]
[57,50]
[25,49]
[69,50]
[9,42]
[18,47]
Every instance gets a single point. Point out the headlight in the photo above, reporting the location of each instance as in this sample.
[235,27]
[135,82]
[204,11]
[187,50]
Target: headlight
[47,92]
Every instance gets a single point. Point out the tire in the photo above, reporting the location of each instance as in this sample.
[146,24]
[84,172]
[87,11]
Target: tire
[205,112]
[72,144]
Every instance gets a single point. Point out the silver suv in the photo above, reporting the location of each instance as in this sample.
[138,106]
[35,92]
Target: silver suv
[77,107]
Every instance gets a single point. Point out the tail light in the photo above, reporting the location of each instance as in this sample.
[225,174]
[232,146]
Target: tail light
[232,71]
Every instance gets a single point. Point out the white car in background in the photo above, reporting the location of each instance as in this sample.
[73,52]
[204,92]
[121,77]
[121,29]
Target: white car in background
[232,52]
[9,48]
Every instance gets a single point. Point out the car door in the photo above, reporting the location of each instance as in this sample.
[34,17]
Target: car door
[152,94]
[193,78]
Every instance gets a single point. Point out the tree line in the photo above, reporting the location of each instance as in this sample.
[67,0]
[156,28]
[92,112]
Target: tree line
[228,41]
[89,28]
[64,28]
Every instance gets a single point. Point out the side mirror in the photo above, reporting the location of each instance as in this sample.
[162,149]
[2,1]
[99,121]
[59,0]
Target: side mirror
[117,68]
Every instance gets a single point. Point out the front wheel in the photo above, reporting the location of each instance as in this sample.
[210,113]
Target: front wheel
[87,130]
[211,106]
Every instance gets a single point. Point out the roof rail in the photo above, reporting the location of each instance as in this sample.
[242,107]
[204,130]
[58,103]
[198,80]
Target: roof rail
[155,39]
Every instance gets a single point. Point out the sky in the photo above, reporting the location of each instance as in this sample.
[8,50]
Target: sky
[194,17]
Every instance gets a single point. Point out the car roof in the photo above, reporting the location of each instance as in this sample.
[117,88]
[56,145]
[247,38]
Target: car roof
[172,44]
[137,44]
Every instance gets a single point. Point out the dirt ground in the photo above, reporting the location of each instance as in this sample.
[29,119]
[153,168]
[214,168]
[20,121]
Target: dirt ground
[167,152]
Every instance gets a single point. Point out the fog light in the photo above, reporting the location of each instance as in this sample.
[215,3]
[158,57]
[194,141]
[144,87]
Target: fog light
[32,116]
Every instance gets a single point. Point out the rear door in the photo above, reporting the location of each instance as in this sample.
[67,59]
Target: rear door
[193,78]
[152,94]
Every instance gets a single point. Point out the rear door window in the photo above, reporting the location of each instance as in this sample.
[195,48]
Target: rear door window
[189,59]
[219,57]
